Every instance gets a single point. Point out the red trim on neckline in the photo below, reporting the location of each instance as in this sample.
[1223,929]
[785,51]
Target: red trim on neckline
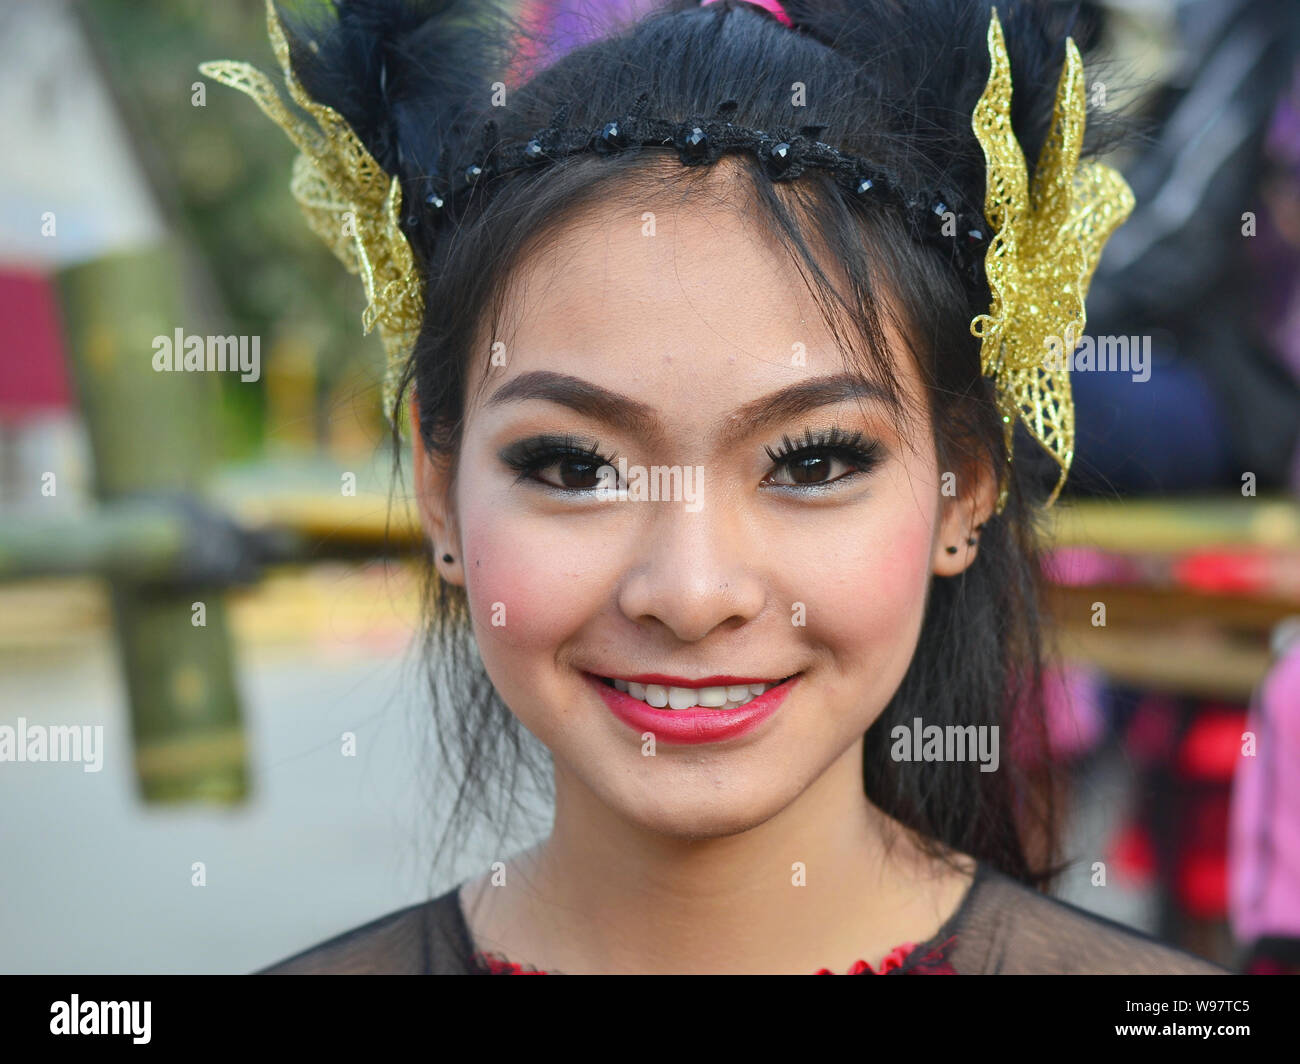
[901,960]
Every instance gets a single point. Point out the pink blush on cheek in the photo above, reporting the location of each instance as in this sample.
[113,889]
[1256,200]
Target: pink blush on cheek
[878,599]
[522,595]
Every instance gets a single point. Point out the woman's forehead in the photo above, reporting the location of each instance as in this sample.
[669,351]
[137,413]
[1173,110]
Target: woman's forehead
[692,303]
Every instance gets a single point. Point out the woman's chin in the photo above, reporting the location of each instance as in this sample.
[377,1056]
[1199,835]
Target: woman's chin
[694,814]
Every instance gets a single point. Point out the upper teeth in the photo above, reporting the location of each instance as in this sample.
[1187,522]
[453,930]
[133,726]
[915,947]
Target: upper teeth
[660,696]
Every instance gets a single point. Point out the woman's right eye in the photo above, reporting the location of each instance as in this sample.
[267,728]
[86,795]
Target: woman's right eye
[561,463]
[576,474]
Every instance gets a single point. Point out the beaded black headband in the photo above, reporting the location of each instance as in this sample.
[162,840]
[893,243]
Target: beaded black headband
[784,154]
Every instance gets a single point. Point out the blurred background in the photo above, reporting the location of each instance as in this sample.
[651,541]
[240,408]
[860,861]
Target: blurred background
[222,574]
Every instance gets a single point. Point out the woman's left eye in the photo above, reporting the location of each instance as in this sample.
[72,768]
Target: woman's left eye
[813,469]
[813,463]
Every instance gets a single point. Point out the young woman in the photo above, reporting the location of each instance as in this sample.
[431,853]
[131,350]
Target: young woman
[713,334]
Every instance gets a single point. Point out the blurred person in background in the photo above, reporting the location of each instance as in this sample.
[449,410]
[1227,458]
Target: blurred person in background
[1208,265]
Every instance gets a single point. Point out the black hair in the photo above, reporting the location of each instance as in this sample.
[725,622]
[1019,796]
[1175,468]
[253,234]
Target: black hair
[893,82]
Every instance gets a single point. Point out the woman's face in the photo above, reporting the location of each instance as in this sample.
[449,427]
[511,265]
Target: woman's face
[695,348]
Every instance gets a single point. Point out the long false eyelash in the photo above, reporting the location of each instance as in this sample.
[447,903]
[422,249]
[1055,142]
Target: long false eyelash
[528,456]
[851,446]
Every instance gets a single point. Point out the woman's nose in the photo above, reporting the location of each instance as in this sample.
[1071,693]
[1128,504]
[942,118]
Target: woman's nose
[695,571]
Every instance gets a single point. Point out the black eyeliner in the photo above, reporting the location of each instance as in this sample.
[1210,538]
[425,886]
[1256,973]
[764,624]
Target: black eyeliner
[529,455]
[853,448]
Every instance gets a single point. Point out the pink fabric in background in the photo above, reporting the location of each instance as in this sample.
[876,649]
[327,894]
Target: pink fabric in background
[1075,720]
[1264,832]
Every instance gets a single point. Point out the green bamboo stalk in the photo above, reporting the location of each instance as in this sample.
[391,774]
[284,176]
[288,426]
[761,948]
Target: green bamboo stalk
[153,431]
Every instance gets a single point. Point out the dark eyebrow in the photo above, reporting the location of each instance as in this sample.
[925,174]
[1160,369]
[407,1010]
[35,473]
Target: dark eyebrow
[637,419]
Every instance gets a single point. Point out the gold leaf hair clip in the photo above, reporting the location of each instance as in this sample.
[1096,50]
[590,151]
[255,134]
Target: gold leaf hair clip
[1045,247]
[348,199]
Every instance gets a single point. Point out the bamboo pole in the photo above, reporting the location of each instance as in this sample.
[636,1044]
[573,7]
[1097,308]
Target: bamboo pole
[152,432]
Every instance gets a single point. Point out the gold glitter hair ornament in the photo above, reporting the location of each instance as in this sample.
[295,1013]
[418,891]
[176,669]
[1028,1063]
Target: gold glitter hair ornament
[1044,249]
[348,200]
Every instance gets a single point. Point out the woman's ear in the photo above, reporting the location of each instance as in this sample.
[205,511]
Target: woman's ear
[432,496]
[962,516]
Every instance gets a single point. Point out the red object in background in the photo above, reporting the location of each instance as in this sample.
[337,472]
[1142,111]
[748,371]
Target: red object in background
[1133,855]
[1202,759]
[1202,885]
[1201,870]
[1210,747]
[33,374]
[1207,754]
[1224,572]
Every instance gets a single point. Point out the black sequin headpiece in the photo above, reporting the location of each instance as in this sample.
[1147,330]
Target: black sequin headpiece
[935,215]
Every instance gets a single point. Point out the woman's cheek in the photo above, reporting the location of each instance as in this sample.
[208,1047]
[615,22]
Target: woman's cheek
[868,603]
[525,580]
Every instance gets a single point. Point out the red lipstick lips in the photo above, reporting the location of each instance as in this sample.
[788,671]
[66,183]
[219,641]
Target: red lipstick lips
[699,724]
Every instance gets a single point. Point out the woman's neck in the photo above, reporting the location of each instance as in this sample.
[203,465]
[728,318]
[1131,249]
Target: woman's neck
[814,886]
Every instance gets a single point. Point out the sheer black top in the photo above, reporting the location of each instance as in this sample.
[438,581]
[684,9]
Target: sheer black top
[1000,927]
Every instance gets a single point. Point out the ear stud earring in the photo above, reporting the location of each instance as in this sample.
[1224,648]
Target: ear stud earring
[970,541]
[446,557]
